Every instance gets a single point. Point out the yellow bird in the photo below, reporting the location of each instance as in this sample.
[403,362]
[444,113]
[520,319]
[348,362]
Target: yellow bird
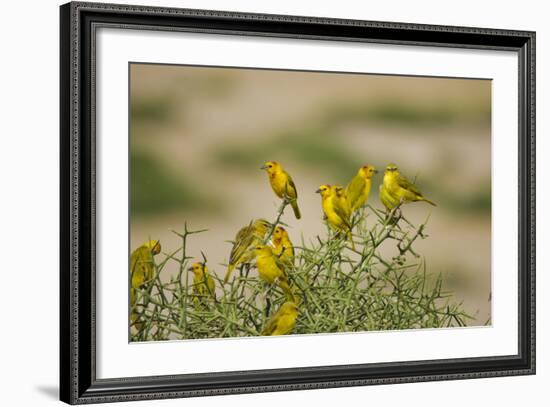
[142,271]
[359,187]
[246,240]
[203,283]
[387,200]
[282,246]
[341,202]
[282,184]
[336,210]
[271,270]
[400,188]
[283,321]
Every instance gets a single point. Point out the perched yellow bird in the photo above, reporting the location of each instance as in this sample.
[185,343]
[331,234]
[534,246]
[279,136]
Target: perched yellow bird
[283,321]
[282,184]
[142,270]
[359,187]
[336,209]
[203,284]
[400,188]
[387,200]
[246,240]
[271,269]
[282,246]
[341,201]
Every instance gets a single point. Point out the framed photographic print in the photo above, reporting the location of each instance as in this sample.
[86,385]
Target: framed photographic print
[256,203]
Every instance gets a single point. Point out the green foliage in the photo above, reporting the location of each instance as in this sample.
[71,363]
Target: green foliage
[313,147]
[214,85]
[478,201]
[319,143]
[151,108]
[475,201]
[409,114]
[154,190]
[337,289]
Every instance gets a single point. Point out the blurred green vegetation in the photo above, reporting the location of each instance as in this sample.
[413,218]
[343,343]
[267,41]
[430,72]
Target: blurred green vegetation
[399,113]
[311,147]
[154,190]
[317,144]
[213,85]
[151,108]
[478,202]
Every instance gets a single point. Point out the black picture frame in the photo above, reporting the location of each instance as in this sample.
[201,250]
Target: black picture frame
[78,382]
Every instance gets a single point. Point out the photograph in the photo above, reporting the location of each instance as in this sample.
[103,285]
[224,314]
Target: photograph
[282,202]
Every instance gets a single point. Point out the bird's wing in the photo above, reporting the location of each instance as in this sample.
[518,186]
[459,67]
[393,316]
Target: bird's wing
[134,260]
[341,212]
[211,286]
[261,227]
[141,263]
[243,240]
[292,192]
[354,188]
[282,265]
[244,232]
[288,246]
[406,184]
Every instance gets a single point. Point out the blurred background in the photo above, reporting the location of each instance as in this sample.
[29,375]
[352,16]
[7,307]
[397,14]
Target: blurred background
[199,135]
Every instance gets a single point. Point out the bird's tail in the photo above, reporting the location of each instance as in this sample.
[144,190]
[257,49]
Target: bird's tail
[430,202]
[295,208]
[230,269]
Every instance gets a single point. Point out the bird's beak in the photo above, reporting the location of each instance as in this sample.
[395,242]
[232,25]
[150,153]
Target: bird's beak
[376,171]
[190,269]
[318,191]
[263,167]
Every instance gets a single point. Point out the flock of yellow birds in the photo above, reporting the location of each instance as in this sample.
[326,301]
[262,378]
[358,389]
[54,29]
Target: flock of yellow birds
[272,260]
